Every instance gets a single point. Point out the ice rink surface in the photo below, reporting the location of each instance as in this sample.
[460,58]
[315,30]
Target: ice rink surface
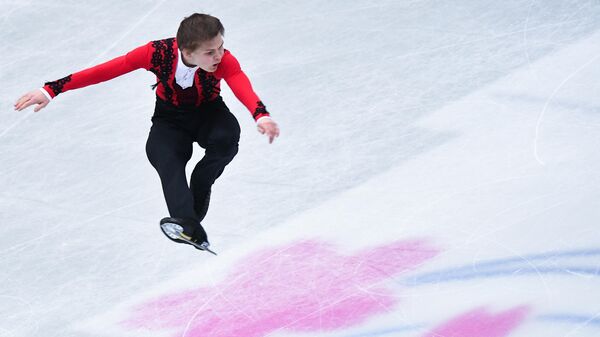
[436,175]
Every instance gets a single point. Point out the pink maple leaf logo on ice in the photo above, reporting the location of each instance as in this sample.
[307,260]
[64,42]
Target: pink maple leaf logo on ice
[303,287]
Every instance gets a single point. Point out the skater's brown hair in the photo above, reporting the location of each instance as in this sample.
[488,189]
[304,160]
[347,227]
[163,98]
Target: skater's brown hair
[197,29]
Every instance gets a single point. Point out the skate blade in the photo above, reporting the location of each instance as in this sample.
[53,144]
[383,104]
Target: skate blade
[204,246]
[172,230]
[175,231]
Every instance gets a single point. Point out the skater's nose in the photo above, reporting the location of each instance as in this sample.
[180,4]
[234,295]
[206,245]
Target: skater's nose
[219,55]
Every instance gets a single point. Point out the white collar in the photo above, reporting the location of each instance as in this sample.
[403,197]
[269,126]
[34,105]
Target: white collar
[184,75]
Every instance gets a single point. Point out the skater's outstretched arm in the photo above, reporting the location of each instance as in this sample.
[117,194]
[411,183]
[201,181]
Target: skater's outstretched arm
[135,59]
[242,89]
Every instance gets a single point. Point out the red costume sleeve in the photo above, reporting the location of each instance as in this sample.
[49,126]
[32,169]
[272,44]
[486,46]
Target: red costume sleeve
[240,85]
[135,59]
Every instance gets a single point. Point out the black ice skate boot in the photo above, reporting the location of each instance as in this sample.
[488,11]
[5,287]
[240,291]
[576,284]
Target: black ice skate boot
[186,231]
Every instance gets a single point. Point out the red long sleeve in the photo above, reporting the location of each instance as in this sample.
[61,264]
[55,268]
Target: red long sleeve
[239,83]
[135,59]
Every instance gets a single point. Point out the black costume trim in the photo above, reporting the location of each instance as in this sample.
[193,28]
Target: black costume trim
[261,109]
[209,85]
[58,85]
[162,64]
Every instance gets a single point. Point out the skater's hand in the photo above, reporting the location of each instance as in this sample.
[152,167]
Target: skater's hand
[267,126]
[31,98]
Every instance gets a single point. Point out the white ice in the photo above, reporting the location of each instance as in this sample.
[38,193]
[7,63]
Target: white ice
[473,126]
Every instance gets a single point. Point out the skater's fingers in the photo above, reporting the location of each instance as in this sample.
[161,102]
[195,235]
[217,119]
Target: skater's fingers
[273,136]
[31,98]
[21,101]
[25,104]
[272,132]
[270,128]
[40,107]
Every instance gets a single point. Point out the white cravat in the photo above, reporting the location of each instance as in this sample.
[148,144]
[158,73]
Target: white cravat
[184,75]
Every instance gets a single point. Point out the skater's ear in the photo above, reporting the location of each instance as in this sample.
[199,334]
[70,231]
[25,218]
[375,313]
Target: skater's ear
[186,52]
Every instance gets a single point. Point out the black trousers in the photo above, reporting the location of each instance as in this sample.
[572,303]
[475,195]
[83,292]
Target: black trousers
[169,148]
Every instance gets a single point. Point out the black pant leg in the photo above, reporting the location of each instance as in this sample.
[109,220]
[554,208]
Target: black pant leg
[219,136]
[169,149]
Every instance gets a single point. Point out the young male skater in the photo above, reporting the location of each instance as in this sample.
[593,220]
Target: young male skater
[188,109]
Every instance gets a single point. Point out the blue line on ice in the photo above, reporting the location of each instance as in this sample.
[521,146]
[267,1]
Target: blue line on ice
[514,266]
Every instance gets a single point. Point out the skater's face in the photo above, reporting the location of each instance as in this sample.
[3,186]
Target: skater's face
[207,56]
